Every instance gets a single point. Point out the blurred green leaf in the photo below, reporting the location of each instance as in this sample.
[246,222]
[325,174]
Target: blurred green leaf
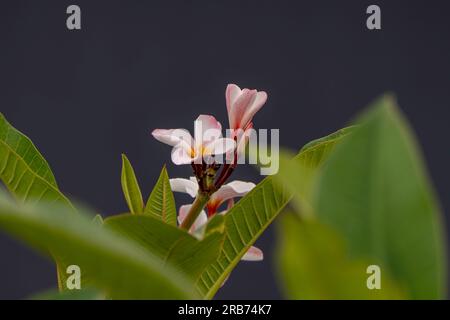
[117,266]
[98,220]
[171,244]
[375,191]
[247,220]
[82,294]
[313,264]
[130,187]
[161,203]
[27,175]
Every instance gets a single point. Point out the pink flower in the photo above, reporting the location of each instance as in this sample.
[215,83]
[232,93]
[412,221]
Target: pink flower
[242,105]
[207,141]
[227,192]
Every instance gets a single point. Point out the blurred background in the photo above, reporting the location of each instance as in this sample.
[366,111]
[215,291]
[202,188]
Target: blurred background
[86,96]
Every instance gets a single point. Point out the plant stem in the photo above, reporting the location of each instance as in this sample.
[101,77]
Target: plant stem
[197,207]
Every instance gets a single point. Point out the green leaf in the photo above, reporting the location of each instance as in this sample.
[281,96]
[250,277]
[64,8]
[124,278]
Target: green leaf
[161,203]
[313,264]
[23,170]
[375,191]
[171,244]
[27,175]
[215,224]
[130,187]
[119,267]
[82,294]
[247,220]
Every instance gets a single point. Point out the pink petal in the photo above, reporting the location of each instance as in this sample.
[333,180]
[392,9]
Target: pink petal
[206,129]
[240,187]
[253,254]
[230,204]
[232,190]
[219,146]
[231,94]
[185,186]
[243,139]
[199,222]
[250,111]
[239,108]
[172,137]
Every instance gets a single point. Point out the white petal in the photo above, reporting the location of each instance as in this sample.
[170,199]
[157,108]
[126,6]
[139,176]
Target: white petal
[180,155]
[199,222]
[232,190]
[193,179]
[172,137]
[241,187]
[206,129]
[219,146]
[253,254]
[185,186]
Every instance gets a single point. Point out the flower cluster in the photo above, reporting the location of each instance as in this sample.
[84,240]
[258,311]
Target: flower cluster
[209,184]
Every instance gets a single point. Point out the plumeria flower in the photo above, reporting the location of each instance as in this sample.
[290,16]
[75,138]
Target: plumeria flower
[242,105]
[207,141]
[227,192]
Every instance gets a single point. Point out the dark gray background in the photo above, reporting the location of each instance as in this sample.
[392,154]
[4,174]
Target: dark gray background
[86,96]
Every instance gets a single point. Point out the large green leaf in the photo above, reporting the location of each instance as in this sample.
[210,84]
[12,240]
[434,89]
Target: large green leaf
[161,203]
[27,175]
[115,265]
[130,187]
[246,221]
[23,170]
[313,264]
[375,191]
[171,244]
